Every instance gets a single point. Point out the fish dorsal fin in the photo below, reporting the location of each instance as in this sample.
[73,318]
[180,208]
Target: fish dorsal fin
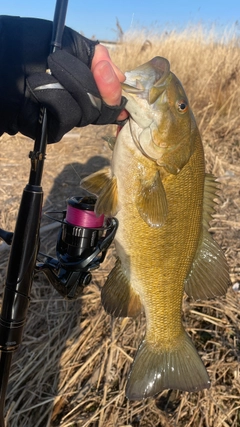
[151,201]
[209,274]
[104,186]
[118,296]
[210,194]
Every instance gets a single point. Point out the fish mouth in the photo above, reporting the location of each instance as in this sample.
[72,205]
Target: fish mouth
[148,81]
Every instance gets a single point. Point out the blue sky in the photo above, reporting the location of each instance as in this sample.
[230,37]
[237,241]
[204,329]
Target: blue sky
[98,18]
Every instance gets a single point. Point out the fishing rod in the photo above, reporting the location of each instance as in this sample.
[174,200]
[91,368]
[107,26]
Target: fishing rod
[81,246]
[25,239]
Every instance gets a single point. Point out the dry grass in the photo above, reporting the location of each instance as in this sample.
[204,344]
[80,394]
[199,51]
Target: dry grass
[73,363]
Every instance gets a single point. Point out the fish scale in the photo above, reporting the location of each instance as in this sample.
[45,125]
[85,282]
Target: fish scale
[170,243]
[158,190]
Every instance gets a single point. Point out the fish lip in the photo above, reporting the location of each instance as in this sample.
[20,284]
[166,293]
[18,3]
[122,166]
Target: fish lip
[159,66]
[151,75]
[131,89]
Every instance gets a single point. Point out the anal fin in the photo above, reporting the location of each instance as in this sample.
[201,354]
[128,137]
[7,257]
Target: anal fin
[118,296]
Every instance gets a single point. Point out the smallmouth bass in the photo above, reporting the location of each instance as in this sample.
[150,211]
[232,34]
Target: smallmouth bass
[158,190]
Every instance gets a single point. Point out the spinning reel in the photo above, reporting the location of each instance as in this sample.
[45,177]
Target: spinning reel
[81,246]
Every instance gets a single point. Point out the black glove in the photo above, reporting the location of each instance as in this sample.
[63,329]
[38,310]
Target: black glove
[70,93]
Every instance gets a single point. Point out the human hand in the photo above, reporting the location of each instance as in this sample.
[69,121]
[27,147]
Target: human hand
[83,87]
[83,97]
[108,78]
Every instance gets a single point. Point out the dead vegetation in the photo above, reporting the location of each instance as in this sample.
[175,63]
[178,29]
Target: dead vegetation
[74,360]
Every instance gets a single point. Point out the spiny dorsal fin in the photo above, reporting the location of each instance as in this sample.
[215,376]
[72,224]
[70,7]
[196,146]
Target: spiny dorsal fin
[118,296]
[211,188]
[156,369]
[209,274]
[151,201]
[104,186]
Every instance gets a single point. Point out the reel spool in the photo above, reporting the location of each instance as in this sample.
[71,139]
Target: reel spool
[82,244]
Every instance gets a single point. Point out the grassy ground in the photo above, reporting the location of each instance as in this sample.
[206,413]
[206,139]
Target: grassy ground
[73,363]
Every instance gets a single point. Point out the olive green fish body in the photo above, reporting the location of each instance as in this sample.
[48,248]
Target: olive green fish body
[159,192]
[156,260]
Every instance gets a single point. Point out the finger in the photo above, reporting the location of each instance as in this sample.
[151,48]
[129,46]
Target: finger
[107,83]
[102,54]
[108,77]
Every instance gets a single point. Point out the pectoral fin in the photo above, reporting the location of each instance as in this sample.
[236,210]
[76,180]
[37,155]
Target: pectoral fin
[151,201]
[209,274]
[95,182]
[118,296]
[104,185]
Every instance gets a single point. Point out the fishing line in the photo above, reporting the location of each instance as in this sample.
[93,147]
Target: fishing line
[81,213]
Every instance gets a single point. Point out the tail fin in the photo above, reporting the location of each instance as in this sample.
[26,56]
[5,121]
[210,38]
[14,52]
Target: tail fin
[155,370]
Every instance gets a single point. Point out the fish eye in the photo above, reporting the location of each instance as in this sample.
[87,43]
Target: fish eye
[182,106]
